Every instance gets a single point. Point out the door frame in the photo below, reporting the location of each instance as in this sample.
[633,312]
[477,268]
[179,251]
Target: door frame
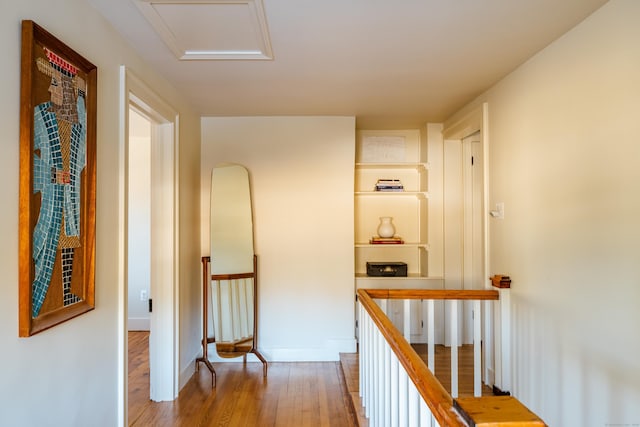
[164,337]
[473,121]
[476,120]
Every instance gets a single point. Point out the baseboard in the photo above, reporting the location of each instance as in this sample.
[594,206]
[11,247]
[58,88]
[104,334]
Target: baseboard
[187,372]
[138,324]
[329,353]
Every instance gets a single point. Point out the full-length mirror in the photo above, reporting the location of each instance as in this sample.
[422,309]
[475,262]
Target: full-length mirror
[230,273]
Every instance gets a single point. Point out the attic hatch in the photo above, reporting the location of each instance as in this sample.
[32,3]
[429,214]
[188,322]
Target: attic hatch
[210,29]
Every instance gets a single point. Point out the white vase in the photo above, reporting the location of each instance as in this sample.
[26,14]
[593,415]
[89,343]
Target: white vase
[386,227]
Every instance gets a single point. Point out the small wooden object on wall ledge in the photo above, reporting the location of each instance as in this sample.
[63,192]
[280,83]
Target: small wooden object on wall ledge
[500,281]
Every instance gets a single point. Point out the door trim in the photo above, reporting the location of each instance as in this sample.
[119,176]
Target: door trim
[164,349]
[474,120]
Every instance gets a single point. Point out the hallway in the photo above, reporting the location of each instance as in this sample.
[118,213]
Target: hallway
[293,394]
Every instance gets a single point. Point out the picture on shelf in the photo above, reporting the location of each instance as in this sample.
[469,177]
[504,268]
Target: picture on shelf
[384,148]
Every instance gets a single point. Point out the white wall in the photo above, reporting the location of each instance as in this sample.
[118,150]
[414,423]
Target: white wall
[139,235]
[564,158]
[301,173]
[68,375]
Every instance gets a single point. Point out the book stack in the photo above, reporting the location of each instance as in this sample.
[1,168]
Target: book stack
[389,185]
[377,240]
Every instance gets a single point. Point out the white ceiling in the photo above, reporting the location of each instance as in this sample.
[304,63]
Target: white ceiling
[390,63]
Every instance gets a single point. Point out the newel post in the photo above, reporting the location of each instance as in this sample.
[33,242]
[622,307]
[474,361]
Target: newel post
[502,334]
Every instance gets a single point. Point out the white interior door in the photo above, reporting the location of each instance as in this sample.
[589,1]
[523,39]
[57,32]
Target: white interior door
[473,235]
[163,349]
[453,227]
[463,225]
[164,255]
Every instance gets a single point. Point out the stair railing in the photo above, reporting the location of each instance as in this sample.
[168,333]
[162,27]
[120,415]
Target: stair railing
[396,386]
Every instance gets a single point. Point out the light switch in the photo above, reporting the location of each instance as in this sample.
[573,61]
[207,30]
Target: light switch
[498,213]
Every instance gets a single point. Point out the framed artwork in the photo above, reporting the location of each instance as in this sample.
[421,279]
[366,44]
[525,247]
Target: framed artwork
[57,182]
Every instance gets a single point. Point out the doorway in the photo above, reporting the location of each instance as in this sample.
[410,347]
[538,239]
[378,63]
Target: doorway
[139,262]
[466,238]
[464,224]
[139,222]
[162,223]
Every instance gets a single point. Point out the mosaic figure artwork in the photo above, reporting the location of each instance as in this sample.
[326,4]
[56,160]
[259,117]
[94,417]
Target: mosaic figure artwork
[59,158]
[57,182]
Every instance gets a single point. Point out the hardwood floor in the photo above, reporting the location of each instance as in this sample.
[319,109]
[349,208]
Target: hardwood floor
[293,394]
[138,373]
[443,368]
[350,367]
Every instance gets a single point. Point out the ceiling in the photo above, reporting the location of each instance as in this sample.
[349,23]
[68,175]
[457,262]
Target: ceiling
[392,64]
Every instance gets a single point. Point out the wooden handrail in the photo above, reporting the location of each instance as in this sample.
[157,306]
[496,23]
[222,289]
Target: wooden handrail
[461,412]
[434,394]
[435,294]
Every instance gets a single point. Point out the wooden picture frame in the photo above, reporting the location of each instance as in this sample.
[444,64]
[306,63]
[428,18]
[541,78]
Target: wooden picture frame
[57,182]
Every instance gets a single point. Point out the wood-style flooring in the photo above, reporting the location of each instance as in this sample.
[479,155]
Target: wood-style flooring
[350,367]
[293,394]
[443,368]
[138,374]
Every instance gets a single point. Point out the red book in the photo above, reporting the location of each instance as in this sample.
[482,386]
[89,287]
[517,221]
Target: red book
[386,240]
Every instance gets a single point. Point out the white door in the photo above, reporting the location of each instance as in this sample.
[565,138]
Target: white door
[463,225]
[164,272]
[472,226]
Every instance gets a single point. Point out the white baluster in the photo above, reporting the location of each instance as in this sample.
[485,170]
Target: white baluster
[425,414]
[414,405]
[367,348]
[362,355]
[454,348]
[384,306]
[390,398]
[489,362]
[403,400]
[394,385]
[497,343]
[386,405]
[373,377]
[477,347]
[407,320]
[431,336]
[380,378]
[505,307]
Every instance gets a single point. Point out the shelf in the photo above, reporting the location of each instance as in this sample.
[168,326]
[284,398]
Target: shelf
[392,155]
[384,166]
[410,282]
[413,177]
[397,156]
[392,245]
[418,194]
[408,277]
